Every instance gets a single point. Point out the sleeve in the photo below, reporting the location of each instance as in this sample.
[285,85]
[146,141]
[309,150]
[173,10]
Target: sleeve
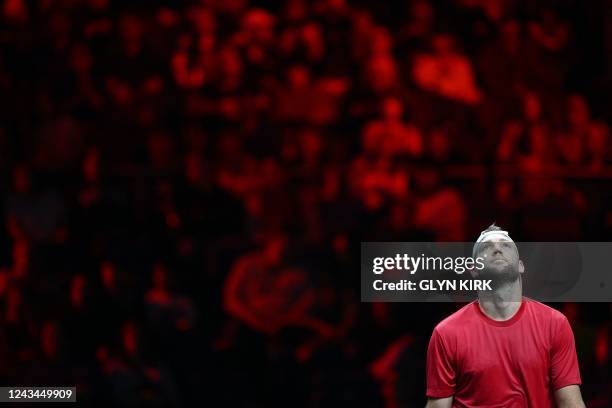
[441,374]
[564,361]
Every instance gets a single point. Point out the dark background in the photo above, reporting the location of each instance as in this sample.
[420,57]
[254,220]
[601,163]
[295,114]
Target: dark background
[186,185]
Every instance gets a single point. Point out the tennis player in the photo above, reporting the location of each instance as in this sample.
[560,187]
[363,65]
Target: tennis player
[503,350]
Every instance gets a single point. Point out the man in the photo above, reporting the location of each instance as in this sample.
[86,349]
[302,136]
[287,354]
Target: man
[502,350]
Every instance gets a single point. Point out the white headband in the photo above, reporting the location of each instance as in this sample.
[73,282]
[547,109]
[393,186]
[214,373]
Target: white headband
[486,234]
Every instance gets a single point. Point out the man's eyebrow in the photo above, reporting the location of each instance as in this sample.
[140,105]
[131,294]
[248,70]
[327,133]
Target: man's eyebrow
[487,244]
[484,245]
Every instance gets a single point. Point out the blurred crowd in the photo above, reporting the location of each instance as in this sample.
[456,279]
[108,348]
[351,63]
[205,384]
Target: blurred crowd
[186,185]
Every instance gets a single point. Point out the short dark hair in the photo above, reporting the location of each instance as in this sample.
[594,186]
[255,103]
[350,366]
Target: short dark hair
[492,227]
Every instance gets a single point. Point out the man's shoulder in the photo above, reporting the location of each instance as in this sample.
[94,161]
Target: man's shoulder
[468,314]
[542,311]
[460,318]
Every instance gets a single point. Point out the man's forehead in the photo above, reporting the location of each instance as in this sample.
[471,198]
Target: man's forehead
[496,238]
[487,237]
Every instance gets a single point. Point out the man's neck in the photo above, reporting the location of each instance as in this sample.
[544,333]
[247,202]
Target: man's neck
[502,303]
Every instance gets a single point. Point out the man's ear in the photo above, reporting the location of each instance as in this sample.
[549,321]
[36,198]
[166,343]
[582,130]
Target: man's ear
[521,267]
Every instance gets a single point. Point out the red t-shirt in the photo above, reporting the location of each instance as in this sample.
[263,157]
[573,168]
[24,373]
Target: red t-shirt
[519,362]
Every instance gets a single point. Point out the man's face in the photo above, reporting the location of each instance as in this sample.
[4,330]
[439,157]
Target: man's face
[501,260]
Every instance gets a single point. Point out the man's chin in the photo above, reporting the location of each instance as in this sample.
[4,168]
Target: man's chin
[500,276]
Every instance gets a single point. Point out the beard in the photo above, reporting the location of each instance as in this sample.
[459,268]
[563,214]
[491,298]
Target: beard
[500,276]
